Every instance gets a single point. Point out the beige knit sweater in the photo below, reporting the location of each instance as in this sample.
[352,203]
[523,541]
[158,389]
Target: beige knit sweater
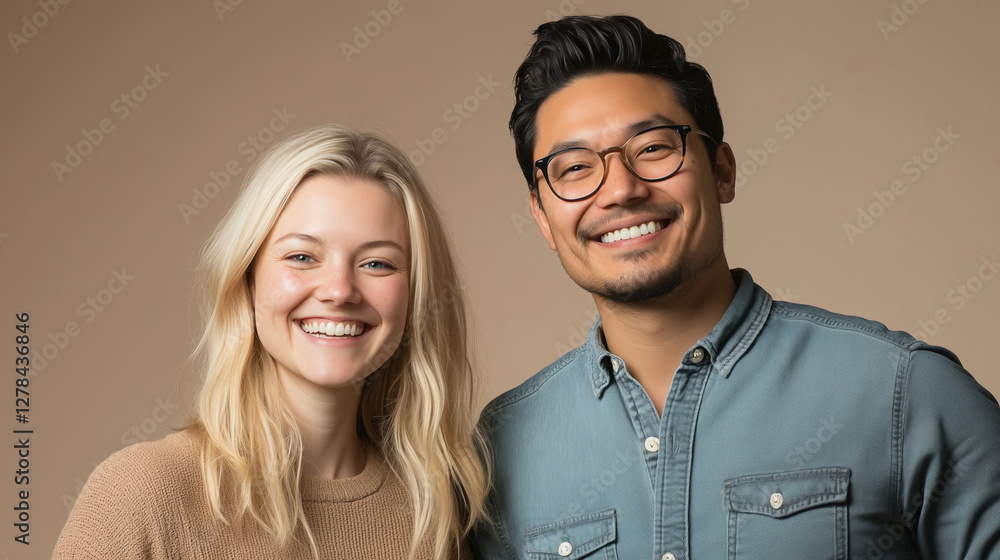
[148,501]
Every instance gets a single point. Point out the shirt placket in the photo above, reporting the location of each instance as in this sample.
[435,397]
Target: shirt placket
[666,444]
[644,418]
[673,476]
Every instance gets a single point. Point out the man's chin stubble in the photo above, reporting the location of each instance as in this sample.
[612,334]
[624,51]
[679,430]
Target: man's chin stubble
[640,290]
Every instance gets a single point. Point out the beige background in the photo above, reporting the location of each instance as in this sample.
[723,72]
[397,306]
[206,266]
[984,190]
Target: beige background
[219,76]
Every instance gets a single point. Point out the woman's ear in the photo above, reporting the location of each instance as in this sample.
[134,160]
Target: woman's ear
[251,289]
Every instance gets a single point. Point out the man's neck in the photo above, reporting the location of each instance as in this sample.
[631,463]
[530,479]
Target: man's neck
[652,337]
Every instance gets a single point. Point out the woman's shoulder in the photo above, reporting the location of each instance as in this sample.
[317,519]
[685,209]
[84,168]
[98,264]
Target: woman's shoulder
[131,497]
[174,456]
[162,468]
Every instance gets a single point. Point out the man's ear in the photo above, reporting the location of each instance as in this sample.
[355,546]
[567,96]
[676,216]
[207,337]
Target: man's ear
[725,173]
[541,219]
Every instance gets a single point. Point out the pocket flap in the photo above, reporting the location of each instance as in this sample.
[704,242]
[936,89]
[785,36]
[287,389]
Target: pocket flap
[786,493]
[572,538]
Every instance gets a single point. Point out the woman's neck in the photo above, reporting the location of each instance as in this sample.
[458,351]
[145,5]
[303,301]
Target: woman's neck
[327,422]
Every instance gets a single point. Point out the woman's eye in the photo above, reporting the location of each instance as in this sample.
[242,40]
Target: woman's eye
[377,265]
[300,258]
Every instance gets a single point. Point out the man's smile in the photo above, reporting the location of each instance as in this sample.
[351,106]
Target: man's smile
[634,231]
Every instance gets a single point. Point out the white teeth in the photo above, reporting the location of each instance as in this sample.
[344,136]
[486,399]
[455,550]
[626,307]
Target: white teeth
[631,232]
[332,328]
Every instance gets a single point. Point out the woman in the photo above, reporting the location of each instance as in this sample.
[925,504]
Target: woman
[336,417]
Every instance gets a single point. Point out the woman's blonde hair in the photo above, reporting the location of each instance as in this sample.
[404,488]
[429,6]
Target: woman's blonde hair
[418,410]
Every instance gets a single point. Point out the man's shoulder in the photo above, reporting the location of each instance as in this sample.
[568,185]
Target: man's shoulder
[852,337]
[833,323]
[533,391]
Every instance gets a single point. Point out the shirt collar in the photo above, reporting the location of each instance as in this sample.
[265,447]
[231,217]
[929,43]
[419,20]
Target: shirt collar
[725,345]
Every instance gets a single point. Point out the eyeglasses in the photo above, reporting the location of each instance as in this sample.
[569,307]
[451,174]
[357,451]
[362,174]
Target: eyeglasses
[654,154]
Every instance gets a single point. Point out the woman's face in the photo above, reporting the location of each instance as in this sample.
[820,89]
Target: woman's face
[331,281]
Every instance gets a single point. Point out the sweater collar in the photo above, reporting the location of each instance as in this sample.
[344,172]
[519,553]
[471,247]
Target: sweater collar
[365,483]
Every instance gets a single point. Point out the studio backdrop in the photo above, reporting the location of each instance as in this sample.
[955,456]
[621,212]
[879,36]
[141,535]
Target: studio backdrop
[865,135]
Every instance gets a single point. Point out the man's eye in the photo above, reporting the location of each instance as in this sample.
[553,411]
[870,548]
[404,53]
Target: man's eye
[656,150]
[572,170]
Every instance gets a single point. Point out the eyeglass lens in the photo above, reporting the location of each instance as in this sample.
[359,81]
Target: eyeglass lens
[653,155]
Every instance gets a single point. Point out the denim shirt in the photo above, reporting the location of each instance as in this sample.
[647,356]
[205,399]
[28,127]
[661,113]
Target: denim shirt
[789,432]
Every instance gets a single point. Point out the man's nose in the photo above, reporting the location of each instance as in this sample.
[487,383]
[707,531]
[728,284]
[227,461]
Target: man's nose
[621,187]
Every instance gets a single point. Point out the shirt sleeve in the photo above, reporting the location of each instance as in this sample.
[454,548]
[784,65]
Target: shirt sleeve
[489,541]
[108,519]
[950,449]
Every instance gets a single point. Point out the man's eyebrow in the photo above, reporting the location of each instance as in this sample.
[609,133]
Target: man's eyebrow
[630,130]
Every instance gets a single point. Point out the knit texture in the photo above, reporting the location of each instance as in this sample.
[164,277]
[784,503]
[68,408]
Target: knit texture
[148,501]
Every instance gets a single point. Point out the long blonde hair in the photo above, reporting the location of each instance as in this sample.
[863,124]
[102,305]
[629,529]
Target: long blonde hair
[418,410]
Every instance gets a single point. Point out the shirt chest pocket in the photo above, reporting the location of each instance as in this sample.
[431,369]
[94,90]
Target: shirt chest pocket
[797,514]
[589,536]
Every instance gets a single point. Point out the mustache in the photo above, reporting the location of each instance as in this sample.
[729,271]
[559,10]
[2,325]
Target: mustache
[667,210]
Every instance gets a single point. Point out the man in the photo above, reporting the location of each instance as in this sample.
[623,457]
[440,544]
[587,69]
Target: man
[701,419]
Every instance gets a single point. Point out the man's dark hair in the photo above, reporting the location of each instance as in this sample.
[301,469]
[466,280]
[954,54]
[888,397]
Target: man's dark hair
[578,46]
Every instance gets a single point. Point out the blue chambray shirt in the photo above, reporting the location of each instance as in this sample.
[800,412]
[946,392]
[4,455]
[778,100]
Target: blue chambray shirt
[789,432]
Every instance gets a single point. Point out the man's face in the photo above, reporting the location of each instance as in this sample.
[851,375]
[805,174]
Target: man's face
[606,110]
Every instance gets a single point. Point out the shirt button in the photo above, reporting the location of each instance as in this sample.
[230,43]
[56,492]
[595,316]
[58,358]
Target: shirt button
[776,500]
[614,365]
[698,355]
[668,556]
[565,548]
[652,444]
